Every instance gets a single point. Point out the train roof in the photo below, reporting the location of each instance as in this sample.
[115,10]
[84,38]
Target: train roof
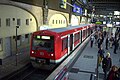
[58,30]
[62,31]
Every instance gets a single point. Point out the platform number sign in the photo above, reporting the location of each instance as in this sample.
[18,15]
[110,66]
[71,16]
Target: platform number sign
[63,4]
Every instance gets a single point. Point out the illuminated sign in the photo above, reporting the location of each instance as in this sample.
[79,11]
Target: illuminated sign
[42,37]
[116,12]
[109,25]
[63,4]
[104,22]
[38,37]
[77,9]
[45,37]
[117,23]
[85,12]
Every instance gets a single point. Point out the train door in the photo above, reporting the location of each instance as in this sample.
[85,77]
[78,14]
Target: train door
[71,42]
[7,48]
[81,35]
[86,31]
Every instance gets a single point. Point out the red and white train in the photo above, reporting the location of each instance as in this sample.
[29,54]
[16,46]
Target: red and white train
[50,47]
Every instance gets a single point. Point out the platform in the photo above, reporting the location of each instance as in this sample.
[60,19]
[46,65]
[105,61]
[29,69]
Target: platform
[86,64]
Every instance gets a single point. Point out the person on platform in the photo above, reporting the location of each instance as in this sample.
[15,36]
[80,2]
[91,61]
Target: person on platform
[96,37]
[106,64]
[118,74]
[99,41]
[106,42]
[92,40]
[105,33]
[111,41]
[116,44]
[100,55]
[113,73]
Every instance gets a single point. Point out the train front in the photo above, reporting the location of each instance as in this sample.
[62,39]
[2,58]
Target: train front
[42,50]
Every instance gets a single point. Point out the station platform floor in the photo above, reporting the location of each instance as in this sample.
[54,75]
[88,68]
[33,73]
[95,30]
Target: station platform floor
[86,64]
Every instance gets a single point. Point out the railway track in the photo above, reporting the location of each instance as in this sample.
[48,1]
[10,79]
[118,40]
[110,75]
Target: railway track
[29,73]
[37,75]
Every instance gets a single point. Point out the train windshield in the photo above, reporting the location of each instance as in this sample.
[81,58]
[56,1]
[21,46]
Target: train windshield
[43,43]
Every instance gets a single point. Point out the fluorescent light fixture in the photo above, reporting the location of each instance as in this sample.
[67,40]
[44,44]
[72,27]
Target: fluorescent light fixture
[109,25]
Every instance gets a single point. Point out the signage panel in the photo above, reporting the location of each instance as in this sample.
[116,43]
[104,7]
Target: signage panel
[63,4]
[77,9]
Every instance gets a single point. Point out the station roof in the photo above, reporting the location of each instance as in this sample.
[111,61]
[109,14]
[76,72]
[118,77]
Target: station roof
[104,7]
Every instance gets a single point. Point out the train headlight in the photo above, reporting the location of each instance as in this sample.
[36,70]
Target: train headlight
[33,52]
[51,54]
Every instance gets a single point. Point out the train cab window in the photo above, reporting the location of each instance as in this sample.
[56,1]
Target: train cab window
[8,22]
[43,43]
[1,44]
[64,43]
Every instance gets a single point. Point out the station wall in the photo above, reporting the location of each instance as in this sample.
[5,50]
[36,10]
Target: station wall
[10,17]
[29,18]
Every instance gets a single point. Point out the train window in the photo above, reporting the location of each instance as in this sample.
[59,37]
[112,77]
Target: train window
[1,44]
[0,22]
[88,31]
[27,21]
[43,43]
[64,43]
[77,36]
[18,22]
[8,22]
[84,31]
